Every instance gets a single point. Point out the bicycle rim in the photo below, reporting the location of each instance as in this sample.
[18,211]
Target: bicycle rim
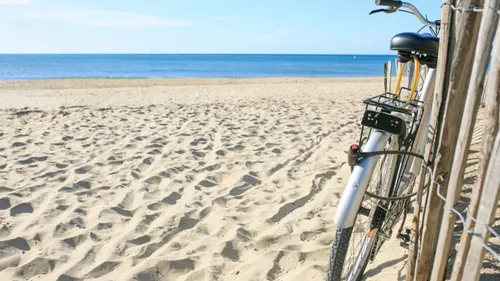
[363,242]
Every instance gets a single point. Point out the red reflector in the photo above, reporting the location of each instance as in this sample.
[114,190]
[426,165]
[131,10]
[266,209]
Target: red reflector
[354,146]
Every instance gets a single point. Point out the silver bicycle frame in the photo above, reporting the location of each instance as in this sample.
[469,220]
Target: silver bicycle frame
[362,172]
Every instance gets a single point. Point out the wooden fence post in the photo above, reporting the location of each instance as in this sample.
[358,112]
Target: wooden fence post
[475,92]
[483,97]
[411,70]
[492,102]
[414,215]
[388,75]
[446,50]
[486,214]
[460,75]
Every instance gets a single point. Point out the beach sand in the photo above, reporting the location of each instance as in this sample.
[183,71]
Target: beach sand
[177,179]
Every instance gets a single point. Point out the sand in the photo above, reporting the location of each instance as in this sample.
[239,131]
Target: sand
[176,179]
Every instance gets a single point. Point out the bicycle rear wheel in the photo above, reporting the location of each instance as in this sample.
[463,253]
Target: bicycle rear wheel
[353,247]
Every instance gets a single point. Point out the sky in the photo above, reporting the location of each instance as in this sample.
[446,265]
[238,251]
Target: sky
[203,26]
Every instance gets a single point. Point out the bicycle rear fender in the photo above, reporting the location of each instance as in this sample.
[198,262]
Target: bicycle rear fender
[358,181]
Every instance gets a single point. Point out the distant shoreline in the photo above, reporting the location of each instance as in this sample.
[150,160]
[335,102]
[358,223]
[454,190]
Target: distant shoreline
[84,83]
[114,78]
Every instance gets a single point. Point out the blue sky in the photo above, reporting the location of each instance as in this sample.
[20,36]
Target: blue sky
[202,26]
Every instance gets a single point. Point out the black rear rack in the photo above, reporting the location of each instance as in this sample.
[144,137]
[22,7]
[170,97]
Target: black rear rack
[389,102]
[387,112]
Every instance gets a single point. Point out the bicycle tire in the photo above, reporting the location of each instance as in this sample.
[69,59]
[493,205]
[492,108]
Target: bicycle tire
[343,236]
[338,252]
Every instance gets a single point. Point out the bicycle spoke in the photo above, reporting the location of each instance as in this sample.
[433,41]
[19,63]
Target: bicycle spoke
[361,241]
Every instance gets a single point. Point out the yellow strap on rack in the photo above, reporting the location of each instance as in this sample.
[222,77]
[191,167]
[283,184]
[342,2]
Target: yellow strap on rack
[400,76]
[416,76]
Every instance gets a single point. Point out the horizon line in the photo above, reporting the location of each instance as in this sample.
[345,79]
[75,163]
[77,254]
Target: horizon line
[306,54]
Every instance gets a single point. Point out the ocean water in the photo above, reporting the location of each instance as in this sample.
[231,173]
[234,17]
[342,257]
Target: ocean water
[31,67]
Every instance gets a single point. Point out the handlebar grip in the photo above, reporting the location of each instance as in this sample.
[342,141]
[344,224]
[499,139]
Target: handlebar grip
[389,3]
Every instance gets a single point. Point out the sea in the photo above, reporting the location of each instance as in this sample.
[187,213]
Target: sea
[57,66]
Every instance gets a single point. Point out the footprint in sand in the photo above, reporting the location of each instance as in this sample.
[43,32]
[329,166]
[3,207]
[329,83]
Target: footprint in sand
[198,154]
[220,152]
[130,146]
[154,180]
[172,198]
[212,168]
[4,203]
[123,212]
[65,277]
[23,208]
[140,240]
[276,150]
[208,182]
[82,184]
[249,181]
[229,252]
[61,166]
[154,152]
[74,241]
[32,160]
[135,174]
[18,144]
[154,145]
[186,223]
[83,170]
[103,269]
[148,161]
[18,243]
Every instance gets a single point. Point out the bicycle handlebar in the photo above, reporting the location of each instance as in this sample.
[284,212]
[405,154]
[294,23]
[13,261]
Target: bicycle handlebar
[395,5]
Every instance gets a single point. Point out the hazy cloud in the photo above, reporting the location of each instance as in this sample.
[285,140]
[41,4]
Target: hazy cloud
[96,18]
[15,2]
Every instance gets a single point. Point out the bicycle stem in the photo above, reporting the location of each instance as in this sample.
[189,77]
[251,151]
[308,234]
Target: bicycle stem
[417,13]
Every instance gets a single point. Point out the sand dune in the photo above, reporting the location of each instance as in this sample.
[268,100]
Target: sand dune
[174,182]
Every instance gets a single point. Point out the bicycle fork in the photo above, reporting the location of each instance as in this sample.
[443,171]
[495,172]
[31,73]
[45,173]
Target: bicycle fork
[358,182]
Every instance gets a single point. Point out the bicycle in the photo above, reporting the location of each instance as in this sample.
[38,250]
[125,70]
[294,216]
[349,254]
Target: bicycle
[388,157]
